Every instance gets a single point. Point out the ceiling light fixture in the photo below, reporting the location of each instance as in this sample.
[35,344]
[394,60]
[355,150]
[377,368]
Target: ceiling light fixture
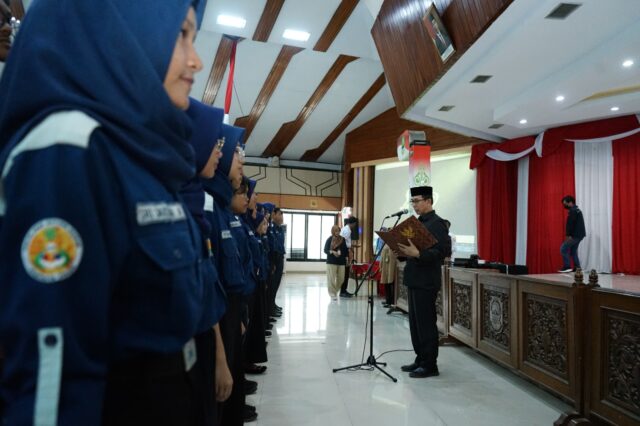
[523,121]
[296,35]
[559,98]
[614,109]
[628,63]
[231,21]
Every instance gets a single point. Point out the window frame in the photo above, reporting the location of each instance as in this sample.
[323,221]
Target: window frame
[307,213]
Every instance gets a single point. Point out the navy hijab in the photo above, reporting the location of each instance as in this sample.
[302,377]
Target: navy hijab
[107,58]
[207,123]
[219,186]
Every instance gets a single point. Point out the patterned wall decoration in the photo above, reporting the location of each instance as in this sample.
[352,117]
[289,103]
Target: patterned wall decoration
[288,181]
[439,305]
[462,299]
[496,324]
[622,377]
[546,334]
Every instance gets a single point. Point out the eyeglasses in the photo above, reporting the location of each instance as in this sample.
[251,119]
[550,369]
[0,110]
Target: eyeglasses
[241,153]
[220,144]
[416,200]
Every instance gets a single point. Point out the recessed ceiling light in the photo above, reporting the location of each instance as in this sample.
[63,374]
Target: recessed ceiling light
[559,98]
[523,121]
[615,109]
[296,35]
[446,108]
[496,126]
[231,21]
[627,63]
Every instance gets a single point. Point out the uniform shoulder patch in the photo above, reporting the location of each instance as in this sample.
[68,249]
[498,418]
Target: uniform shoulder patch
[51,250]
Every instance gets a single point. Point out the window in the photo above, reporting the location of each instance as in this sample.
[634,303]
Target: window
[306,234]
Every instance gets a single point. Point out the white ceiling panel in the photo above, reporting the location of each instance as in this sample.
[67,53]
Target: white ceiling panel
[249,10]
[348,88]
[311,16]
[355,38]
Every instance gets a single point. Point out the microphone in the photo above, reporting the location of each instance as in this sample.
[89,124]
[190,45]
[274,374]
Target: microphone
[396,214]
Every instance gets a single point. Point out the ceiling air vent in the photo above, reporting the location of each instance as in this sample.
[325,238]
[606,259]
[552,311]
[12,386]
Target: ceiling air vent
[496,126]
[446,108]
[563,10]
[481,78]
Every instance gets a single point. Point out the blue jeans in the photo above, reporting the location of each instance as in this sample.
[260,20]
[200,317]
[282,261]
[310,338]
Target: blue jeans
[570,248]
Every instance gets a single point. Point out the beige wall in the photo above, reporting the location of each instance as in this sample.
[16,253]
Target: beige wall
[286,181]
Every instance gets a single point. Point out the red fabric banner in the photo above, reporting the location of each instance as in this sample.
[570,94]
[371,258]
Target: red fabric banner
[496,195]
[550,178]
[626,205]
[232,69]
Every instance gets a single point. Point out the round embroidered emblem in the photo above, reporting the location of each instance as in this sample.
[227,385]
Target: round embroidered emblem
[51,250]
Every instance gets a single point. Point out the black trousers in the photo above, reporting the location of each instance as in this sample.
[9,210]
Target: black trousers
[423,326]
[206,347]
[345,283]
[274,282]
[231,411]
[154,389]
[255,343]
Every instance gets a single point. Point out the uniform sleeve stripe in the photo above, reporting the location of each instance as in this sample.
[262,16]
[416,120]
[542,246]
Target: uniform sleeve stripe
[61,128]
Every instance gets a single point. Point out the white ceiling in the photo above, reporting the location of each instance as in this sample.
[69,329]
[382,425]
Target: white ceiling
[255,59]
[533,60]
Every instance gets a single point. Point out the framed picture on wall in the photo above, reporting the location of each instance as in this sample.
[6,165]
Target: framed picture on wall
[438,33]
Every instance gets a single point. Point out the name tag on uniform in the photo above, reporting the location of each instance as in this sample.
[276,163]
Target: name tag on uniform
[226,234]
[190,354]
[150,213]
[235,224]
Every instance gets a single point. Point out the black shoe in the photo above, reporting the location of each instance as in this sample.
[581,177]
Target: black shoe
[346,295]
[276,314]
[250,387]
[249,415]
[268,333]
[272,320]
[422,372]
[269,326]
[250,407]
[564,270]
[409,368]
[278,307]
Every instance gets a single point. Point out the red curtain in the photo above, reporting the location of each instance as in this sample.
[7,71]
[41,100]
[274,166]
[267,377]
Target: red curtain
[626,205]
[550,179]
[496,196]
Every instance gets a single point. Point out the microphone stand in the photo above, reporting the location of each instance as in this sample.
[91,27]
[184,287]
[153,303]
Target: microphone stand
[371,360]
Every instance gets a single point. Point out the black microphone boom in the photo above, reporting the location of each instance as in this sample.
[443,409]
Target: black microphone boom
[397,214]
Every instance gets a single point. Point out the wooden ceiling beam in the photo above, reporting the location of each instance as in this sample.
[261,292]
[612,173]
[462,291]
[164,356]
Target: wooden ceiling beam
[17,9]
[248,122]
[268,19]
[316,153]
[218,69]
[337,22]
[289,130]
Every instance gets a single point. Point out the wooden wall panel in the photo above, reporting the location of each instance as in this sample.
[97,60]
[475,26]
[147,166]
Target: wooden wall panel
[302,202]
[362,207]
[410,59]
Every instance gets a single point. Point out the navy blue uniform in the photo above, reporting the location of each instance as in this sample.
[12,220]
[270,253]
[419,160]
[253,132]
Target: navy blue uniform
[276,253]
[99,275]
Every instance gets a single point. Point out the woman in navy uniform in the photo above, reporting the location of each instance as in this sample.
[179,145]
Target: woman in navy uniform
[100,288]
[226,255]
[207,145]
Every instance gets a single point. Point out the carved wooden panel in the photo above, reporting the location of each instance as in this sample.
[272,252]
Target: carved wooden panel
[439,305]
[496,322]
[402,295]
[546,334]
[462,302]
[622,357]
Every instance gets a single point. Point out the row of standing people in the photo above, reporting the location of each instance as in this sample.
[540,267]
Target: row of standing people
[132,291]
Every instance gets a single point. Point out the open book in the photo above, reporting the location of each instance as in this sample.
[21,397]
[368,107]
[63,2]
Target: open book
[410,229]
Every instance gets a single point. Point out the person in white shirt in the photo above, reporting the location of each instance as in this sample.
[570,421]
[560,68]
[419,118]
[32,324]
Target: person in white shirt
[350,224]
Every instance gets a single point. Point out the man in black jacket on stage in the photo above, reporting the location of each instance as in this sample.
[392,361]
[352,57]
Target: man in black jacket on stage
[574,233]
[423,276]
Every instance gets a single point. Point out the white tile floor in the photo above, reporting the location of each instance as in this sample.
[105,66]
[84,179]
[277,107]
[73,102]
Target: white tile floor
[316,335]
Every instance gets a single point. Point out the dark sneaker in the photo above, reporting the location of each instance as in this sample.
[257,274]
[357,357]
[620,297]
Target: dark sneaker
[563,270]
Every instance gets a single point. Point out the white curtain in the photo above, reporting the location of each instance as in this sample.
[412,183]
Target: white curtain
[522,214]
[594,197]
